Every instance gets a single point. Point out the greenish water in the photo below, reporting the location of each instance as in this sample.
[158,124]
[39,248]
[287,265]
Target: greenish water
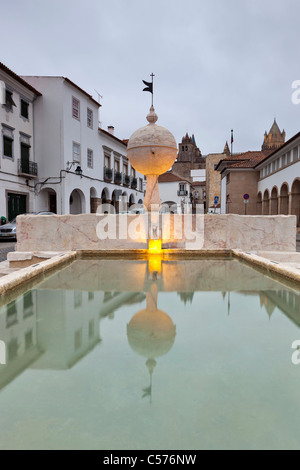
[120,354]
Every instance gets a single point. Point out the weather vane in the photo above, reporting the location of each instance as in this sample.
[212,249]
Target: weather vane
[149,86]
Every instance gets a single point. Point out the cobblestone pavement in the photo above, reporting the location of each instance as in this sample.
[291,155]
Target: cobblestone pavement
[6,248]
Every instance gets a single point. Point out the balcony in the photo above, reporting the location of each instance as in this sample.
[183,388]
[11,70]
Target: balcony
[108,174]
[182,193]
[118,177]
[134,183]
[27,168]
[126,180]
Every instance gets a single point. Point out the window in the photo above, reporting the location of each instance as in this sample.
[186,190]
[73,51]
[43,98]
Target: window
[76,152]
[9,102]
[8,140]
[75,108]
[106,161]
[117,165]
[295,154]
[24,109]
[288,158]
[125,169]
[25,152]
[77,339]
[132,172]
[11,314]
[7,147]
[91,329]
[90,158]
[28,339]
[91,295]
[140,184]
[89,117]
[77,298]
[181,187]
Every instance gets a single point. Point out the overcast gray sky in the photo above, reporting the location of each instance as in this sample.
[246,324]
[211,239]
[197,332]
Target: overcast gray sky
[218,64]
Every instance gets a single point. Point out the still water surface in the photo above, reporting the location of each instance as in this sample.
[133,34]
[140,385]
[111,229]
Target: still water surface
[122,354]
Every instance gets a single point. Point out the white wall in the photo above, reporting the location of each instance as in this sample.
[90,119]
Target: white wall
[284,172]
[56,130]
[198,175]
[9,179]
[286,175]
[223,196]
[168,191]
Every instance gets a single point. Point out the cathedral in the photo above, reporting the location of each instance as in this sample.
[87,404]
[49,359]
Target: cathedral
[274,139]
[189,157]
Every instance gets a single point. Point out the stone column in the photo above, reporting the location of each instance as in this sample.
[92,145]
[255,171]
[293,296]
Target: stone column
[152,193]
[290,203]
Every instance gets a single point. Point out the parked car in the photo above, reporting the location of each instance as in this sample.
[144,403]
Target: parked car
[9,231]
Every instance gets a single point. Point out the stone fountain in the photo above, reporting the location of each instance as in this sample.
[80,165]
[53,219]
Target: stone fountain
[152,150]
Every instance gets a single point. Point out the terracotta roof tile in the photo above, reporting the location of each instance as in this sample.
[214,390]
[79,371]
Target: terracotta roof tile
[169,177]
[247,159]
[19,79]
[123,141]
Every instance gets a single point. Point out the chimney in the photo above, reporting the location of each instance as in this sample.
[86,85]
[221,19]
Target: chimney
[111,129]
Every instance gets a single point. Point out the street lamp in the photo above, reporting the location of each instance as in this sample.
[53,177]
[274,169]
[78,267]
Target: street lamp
[78,169]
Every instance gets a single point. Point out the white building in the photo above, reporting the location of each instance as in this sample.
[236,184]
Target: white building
[174,191]
[278,187]
[19,169]
[118,171]
[73,151]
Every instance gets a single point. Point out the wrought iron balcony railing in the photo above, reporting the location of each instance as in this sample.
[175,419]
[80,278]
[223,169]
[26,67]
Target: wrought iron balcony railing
[108,174]
[134,183]
[182,193]
[117,177]
[126,180]
[27,168]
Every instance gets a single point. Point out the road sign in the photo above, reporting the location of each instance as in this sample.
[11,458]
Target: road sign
[216,200]
[246,196]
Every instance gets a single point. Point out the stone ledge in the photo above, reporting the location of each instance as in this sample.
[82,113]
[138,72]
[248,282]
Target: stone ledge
[15,279]
[289,270]
[23,259]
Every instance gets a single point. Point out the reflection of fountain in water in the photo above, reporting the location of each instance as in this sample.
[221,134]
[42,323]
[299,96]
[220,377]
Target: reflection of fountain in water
[151,333]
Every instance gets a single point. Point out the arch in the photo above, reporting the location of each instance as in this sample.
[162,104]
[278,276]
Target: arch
[140,201]
[123,202]
[93,192]
[258,204]
[284,199]
[295,199]
[105,197]
[131,200]
[169,206]
[47,200]
[274,201]
[115,199]
[94,200]
[266,203]
[77,202]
